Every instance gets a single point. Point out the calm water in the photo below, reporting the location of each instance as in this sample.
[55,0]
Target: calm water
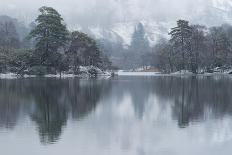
[121,116]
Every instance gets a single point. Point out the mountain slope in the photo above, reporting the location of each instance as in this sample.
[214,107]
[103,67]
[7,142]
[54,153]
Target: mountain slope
[122,32]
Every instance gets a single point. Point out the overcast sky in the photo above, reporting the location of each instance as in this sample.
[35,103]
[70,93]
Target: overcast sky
[106,12]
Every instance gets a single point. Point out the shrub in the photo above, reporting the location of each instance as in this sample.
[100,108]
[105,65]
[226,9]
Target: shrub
[93,72]
[37,70]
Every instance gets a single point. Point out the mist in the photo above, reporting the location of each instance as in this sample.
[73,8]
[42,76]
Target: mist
[107,12]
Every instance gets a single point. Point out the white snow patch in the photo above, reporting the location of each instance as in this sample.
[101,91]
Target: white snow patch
[13,76]
[123,73]
[8,76]
[182,72]
[83,69]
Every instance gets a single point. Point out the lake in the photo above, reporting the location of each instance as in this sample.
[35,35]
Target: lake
[160,115]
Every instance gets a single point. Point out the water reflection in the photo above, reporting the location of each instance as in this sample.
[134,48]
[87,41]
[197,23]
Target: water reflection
[48,102]
[197,98]
[117,108]
[191,99]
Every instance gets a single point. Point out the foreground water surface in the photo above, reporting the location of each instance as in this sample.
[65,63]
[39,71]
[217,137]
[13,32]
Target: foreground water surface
[119,116]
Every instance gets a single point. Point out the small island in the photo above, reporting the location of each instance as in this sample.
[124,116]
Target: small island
[50,50]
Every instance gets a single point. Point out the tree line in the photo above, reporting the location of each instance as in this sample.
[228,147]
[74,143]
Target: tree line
[195,48]
[134,55]
[51,47]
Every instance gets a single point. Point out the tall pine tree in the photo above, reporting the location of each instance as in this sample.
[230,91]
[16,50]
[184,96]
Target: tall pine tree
[180,37]
[50,34]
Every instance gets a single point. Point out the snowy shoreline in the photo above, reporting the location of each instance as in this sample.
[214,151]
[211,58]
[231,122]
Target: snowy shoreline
[108,75]
[130,73]
[85,73]
[16,76]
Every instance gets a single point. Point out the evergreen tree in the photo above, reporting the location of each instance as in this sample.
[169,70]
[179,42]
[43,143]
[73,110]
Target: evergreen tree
[50,34]
[139,41]
[180,37]
[139,46]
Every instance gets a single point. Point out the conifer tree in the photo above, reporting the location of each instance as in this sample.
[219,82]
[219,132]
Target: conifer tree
[139,41]
[180,37]
[50,34]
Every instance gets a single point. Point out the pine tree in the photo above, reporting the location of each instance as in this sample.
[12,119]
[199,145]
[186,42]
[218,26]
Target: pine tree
[180,37]
[139,41]
[50,34]
[139,46]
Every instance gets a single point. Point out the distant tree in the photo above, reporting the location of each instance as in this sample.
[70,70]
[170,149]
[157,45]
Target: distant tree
[9,40]
[139,46]
[139,40]
[220,46]
[50,34]
[9,36]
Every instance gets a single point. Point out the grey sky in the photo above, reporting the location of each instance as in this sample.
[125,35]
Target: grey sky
[106,12]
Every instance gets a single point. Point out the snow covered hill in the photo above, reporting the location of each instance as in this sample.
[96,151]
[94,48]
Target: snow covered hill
[122,32]
[215,13]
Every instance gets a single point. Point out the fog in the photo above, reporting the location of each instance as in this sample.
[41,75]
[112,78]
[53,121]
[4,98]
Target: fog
[107,12]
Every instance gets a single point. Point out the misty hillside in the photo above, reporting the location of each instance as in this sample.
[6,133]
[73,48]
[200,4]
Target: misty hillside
[220,12]
[21,28]
[122,32]
[115,20]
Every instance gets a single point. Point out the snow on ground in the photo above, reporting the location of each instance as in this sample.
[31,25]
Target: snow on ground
[85,72]
[124,73]
[13,76]
[182,72]
[8,76]
[61,76]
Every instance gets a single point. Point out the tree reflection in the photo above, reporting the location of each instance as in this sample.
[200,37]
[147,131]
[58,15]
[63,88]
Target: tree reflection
[196,97]
[50,112]
[11,102]
[54,99]
[49,102]
[191,99]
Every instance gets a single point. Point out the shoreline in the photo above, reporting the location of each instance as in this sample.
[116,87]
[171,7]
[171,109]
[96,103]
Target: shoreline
[124,73]
[81,76]
[108,75]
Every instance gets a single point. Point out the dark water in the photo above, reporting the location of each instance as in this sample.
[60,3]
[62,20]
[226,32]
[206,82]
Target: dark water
[121,116]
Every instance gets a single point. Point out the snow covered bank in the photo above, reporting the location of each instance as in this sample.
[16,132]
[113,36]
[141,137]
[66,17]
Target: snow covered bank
[84,72]
[13,76]
[124,73]
[8,76]
[184,73]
